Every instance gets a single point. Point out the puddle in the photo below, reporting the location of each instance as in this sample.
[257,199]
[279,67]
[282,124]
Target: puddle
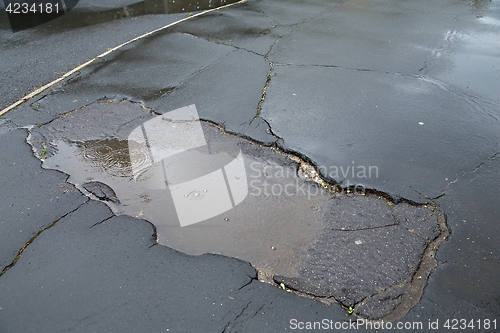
[108,156]
[208,192]
[269,231]
[81,16]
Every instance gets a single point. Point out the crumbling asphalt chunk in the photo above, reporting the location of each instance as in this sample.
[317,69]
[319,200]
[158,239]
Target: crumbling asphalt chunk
[354,265]
[363,251]
[101,191]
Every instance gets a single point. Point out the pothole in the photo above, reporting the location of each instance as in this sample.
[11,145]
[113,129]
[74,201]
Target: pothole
[209,192]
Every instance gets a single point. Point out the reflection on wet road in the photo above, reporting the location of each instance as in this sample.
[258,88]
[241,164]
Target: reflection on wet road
[81,16]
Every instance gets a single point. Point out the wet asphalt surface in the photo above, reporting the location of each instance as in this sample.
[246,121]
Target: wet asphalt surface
[411,88]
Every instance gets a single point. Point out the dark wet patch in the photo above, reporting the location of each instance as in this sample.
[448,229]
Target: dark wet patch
[85,16]
[356,249]
[227,27]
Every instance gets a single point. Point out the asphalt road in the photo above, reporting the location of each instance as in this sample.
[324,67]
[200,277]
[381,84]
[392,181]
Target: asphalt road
[410,88]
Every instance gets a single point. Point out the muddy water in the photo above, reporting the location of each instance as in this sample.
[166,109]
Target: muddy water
[284,224]
[270,228]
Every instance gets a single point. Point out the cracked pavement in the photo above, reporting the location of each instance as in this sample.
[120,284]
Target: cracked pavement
[343,83]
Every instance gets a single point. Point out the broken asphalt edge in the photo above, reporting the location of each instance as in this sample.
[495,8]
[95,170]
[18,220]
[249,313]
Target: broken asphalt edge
[413,291]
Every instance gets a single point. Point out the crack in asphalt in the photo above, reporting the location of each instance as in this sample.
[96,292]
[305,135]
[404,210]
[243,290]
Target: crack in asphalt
[270,130]
[257,311]
[466,173]
[431,199]
[38,233]
[369,228]
[482,163]
[343,67]
[248,283]
[62,115]
[224,44]
[242,311]
[193,74]
[97,223]
[271,68]
[471,100]
[268,79]
[237,317]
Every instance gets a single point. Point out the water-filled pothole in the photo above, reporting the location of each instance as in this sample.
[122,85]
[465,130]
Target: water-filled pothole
[208,192]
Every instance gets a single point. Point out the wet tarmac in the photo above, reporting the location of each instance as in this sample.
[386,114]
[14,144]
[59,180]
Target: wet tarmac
[406,88]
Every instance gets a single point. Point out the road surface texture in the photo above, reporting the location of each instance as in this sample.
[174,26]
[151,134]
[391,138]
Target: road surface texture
[326,89]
